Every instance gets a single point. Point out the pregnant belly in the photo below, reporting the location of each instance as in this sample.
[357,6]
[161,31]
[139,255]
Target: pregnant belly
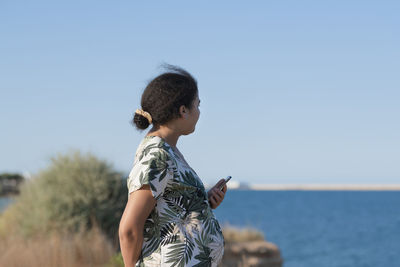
[217,247]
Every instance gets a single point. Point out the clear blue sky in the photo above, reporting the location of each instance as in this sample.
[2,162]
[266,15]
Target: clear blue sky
[291,91]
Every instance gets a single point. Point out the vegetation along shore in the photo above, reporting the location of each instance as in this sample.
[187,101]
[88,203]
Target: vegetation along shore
[68,215]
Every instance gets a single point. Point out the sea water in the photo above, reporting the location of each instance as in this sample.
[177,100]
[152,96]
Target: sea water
[321,228]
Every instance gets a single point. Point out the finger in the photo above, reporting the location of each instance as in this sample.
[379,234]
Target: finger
[209,203]
[220,182]
[224,189]
[217,192]
[210,192]
[217,198]
[220,194]
[213,204]
[214,193]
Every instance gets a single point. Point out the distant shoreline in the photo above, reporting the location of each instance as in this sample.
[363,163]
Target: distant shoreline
[312,187]
[325,187]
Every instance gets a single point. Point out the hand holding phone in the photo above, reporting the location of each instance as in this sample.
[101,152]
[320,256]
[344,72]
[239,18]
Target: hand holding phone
[216,193]
[224,183]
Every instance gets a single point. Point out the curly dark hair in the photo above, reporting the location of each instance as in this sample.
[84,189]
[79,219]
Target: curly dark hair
[163,96]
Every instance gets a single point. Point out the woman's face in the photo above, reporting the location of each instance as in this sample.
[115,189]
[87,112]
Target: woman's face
[193,116]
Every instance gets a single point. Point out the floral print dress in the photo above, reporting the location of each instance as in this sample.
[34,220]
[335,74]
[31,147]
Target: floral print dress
[181,230]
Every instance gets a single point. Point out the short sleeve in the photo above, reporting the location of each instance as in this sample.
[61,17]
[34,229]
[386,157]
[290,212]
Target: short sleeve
[151,168]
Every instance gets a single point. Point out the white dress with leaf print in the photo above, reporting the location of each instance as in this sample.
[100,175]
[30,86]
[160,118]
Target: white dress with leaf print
[181,230]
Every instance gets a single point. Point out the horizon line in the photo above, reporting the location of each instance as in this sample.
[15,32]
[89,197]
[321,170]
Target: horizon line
[316,187]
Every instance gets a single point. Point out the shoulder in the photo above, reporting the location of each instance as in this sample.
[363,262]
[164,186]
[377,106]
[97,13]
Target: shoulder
[154,148]
[153,166]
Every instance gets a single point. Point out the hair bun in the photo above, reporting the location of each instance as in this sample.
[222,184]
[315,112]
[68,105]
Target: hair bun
[140,121]
[144,114]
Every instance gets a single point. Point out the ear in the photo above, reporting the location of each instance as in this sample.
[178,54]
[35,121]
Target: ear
[183,111]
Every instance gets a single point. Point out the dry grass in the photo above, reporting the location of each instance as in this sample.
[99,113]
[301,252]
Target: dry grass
[235,234]
[88,248]
[83,249]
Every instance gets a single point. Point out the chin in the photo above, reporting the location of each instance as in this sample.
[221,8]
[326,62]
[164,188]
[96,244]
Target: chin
[189,132]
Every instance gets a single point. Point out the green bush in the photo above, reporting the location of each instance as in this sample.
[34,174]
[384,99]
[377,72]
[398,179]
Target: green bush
[116,261]
[76,191]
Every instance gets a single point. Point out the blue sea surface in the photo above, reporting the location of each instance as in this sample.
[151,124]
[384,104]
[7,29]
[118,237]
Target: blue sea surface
[321,228]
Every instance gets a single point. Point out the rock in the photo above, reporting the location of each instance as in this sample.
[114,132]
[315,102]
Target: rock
[251,254]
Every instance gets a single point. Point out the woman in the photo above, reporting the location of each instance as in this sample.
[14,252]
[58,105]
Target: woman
[168,219]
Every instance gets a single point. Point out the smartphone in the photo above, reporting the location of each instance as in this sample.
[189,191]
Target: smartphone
[226,180]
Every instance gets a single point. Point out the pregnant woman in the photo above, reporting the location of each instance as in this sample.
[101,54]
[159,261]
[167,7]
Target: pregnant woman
[168,219]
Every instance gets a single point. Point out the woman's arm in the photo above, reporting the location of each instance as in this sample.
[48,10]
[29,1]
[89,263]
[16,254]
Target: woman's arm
[140,204]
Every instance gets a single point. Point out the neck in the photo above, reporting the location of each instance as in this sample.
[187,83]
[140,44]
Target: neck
[168,134]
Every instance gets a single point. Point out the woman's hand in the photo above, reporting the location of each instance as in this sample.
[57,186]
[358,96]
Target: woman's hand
[215,195]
